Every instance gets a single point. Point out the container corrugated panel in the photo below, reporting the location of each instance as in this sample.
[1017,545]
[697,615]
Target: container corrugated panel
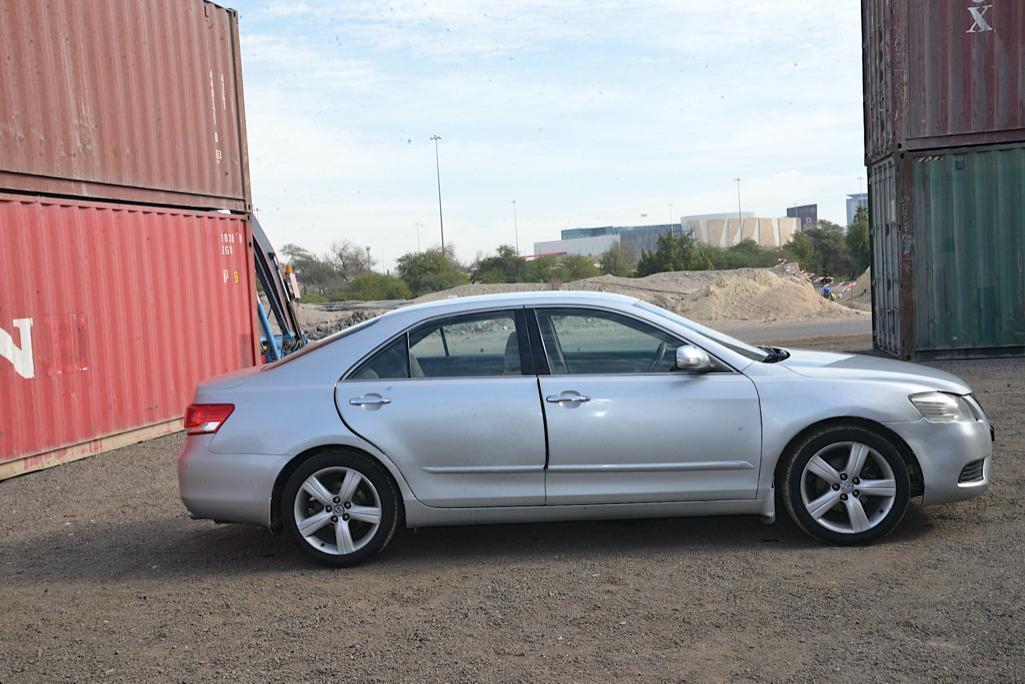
[969,223]
[885,240]
[877,34]
[942,73]
[109,316]
[123,100]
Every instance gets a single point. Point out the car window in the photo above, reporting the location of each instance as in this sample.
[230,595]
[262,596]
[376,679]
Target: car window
[390,362]
[584,341]
[732,343]
[466,346]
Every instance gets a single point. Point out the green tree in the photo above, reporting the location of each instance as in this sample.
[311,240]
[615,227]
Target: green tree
[429,271]
[544,269]
[801,251]
[316,275]
[371,286]
[830,250]
[745,254]
[619,260]
[576,267]
[505,267]
[857,241]
[673,254]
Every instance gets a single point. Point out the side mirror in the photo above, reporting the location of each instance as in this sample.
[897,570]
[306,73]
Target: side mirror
[692,359]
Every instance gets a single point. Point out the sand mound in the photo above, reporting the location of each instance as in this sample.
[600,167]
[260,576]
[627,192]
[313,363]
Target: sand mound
[760,296]
[860,297]
[744,294]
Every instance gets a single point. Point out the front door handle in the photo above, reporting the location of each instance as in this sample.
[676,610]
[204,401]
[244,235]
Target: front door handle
[567,398]
[369,400]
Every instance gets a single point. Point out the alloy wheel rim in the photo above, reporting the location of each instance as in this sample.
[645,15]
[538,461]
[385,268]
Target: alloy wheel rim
[337,510]
[848,487]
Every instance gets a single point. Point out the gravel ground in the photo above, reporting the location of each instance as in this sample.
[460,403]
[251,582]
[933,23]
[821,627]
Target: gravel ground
[103,577]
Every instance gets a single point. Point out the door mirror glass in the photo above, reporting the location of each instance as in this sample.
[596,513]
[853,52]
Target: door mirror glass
[692,359]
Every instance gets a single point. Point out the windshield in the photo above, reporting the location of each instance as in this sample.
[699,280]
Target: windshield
[732,343]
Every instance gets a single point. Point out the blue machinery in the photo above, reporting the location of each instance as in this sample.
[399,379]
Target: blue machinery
[280,300]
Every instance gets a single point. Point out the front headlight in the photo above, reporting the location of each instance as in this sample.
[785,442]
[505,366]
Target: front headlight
[940,407]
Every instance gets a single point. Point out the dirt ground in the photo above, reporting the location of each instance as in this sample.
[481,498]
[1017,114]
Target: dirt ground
[102,577]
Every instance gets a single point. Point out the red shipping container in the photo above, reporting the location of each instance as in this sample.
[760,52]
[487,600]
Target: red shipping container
[942,73]
[109,316]
[128,100]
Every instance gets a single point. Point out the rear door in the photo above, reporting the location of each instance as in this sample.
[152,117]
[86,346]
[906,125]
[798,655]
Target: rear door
[454,404]
[625,427]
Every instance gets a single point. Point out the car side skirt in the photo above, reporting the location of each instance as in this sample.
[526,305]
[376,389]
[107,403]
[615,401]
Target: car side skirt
[419,515]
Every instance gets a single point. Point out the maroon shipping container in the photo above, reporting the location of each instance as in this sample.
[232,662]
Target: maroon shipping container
[942,73]
[128,100]
[109,316]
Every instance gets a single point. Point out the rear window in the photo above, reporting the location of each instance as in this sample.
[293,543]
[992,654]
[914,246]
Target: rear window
[313,346]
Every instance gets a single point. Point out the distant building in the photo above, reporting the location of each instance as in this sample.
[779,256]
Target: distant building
[858,199]
[719,230]
[575,233]
[807,215]
[585,246]
[767,232]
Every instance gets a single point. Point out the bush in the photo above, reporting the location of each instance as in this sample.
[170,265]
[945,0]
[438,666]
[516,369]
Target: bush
[429,271]
[370,286]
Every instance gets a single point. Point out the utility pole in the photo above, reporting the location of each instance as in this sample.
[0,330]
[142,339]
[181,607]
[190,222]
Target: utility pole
[368,259]
[740,214]
[670,217]
[516,229]
[437,167]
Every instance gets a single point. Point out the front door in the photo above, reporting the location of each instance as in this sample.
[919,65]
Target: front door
[625,427]
[450,404]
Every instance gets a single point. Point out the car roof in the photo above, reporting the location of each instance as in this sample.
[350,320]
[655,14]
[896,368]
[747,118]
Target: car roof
[535,298]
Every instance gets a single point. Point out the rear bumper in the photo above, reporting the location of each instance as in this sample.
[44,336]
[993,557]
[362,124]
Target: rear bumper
[943,450]
[226,487]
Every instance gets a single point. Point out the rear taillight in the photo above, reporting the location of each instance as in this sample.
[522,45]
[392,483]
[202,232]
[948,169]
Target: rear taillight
[204,419]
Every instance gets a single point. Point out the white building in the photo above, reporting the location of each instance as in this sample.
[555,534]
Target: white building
[767,232]
[586,246]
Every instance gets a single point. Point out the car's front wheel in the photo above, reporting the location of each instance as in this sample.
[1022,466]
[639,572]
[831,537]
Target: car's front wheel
[340,508]
[846,485]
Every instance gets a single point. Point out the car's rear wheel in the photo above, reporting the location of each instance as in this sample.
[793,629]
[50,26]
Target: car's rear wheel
[340,508]
[846,485]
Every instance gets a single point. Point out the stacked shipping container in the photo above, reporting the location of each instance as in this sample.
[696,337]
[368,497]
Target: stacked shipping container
[944,84]
[111,311]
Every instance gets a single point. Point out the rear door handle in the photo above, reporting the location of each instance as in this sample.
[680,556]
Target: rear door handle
[567,398]
[369,400]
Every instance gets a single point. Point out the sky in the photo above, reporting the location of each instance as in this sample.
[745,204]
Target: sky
[584,112]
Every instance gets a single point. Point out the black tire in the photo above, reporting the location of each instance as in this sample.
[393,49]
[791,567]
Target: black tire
[797,459]
[386,492]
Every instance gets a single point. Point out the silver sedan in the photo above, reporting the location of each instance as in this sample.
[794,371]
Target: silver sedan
[569,406]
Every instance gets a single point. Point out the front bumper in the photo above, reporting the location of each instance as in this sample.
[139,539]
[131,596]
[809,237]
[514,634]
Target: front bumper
[943,450]
[226,487]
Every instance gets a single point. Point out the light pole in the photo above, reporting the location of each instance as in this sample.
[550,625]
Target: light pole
[516,229]
[368,258]
[418,237]
[740,214]
[437,167]
[670,217]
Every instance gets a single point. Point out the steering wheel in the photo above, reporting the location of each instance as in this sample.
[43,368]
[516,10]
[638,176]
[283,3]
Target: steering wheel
[660,355]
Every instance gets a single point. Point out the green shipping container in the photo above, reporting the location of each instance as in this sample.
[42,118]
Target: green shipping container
[953,225]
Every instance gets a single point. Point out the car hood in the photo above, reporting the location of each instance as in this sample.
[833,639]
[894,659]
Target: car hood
[818,364]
